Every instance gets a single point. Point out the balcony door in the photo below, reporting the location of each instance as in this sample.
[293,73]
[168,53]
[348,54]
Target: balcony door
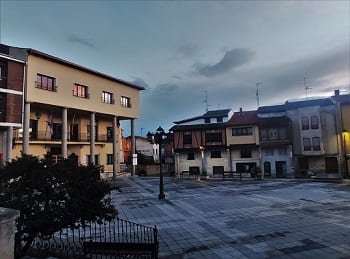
[74,132]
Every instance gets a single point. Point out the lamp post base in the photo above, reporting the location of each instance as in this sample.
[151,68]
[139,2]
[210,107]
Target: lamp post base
[161,196]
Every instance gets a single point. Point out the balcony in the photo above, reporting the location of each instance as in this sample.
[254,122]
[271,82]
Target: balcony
[57,136]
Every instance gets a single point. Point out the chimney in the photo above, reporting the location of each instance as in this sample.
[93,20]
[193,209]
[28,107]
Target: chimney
[240,110]
[336,92]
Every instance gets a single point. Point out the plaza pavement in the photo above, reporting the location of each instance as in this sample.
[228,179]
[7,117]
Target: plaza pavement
[248,219]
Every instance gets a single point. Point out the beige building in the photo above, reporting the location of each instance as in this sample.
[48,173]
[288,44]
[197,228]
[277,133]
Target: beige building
[242,134]
[71,110]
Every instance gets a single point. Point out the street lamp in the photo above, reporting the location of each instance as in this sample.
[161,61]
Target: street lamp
[201,148]
[159,138]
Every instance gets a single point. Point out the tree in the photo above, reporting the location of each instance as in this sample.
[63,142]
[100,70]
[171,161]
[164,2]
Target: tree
[53,196]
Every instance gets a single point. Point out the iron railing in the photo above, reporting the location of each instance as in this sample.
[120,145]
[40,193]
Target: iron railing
[117,238]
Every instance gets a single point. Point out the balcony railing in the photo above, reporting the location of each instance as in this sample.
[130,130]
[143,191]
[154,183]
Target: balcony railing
[57,136]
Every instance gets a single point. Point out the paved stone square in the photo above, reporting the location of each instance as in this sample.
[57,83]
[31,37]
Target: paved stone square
[248,219]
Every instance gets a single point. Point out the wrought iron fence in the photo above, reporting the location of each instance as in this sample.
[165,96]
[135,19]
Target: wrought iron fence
[110,239]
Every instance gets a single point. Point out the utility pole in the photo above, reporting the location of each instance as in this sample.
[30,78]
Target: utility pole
[306,87]
[257,93]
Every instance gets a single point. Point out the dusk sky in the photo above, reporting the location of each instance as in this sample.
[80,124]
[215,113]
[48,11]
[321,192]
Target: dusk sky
[177,50]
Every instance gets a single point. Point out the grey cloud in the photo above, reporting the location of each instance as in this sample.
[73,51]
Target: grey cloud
[140,82]
[81,41]
[188,50]
[232,59]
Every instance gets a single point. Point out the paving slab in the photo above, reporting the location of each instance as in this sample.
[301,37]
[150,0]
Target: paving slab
[240,219]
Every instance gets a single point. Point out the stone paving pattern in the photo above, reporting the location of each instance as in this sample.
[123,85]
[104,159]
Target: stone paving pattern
[248,219]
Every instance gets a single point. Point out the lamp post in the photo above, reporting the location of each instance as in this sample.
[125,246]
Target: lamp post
[158,138]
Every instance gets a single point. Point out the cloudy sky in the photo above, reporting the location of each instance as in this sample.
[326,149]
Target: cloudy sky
[178,50]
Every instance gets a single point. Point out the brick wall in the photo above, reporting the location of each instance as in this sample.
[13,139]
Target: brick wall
[14,108]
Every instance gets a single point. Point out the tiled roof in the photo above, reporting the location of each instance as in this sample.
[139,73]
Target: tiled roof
[209,114]
[243,118]
[272,108]
[308,103]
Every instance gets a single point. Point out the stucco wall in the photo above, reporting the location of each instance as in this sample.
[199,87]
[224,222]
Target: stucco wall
[7,232]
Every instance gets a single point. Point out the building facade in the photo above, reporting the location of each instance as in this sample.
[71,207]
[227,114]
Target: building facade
[275,142]
[71,110]
[243,142]
[315,137]
[200,144]
[12,73]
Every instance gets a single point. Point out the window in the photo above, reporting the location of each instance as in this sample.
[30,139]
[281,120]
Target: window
[56,131]
[190,156]
[316,143]
[282,133]
[246,152]
[207,120]
[33,134]
[107,97]
[215,154]
[246,131]
[307,144]
[109,133]
[218,169]
[268,151]
[187,138]
[45,82]
[219,119]
[97,161]
[304,123]
[273,135]
[314,122]
[213,137]
[263,134]
[125,102]
[110,159]
[80,91]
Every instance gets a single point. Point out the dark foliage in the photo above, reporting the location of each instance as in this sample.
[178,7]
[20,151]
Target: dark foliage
[53,196]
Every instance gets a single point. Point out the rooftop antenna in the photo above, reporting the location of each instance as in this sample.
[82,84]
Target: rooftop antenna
[257,93]
[306,87]
[206,100]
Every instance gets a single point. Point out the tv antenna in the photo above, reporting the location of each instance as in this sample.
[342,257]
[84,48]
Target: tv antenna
[257,93]
[306,87]
[206,100]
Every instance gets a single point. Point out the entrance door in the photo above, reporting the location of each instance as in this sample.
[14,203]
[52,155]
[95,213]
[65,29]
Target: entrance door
[331,165]
[267,169]
[281,169]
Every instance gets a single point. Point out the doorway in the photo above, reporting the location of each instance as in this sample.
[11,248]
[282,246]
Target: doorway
[281,169]
[331,165]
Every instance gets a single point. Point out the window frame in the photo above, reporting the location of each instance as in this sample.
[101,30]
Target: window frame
[109,159]
[306,147]
[187,136]
[305,126]
[40,85]
[315,125]
[318,148]
[213,137]
[246,152]
[242,131]
[77,90]
[215,154]
[125,101]
[107,97]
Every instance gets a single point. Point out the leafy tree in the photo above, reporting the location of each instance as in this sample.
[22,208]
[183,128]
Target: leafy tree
[53,196]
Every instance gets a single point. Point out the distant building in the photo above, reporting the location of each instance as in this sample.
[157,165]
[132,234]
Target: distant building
[12,72]
[243,142]
[275,141]
[315,136]
[343,102]
[200,144]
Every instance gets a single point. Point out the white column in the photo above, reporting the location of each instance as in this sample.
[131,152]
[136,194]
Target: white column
[116,147]
[9,144]
[92,138]
[64,133]
[26,120]
[133,148]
